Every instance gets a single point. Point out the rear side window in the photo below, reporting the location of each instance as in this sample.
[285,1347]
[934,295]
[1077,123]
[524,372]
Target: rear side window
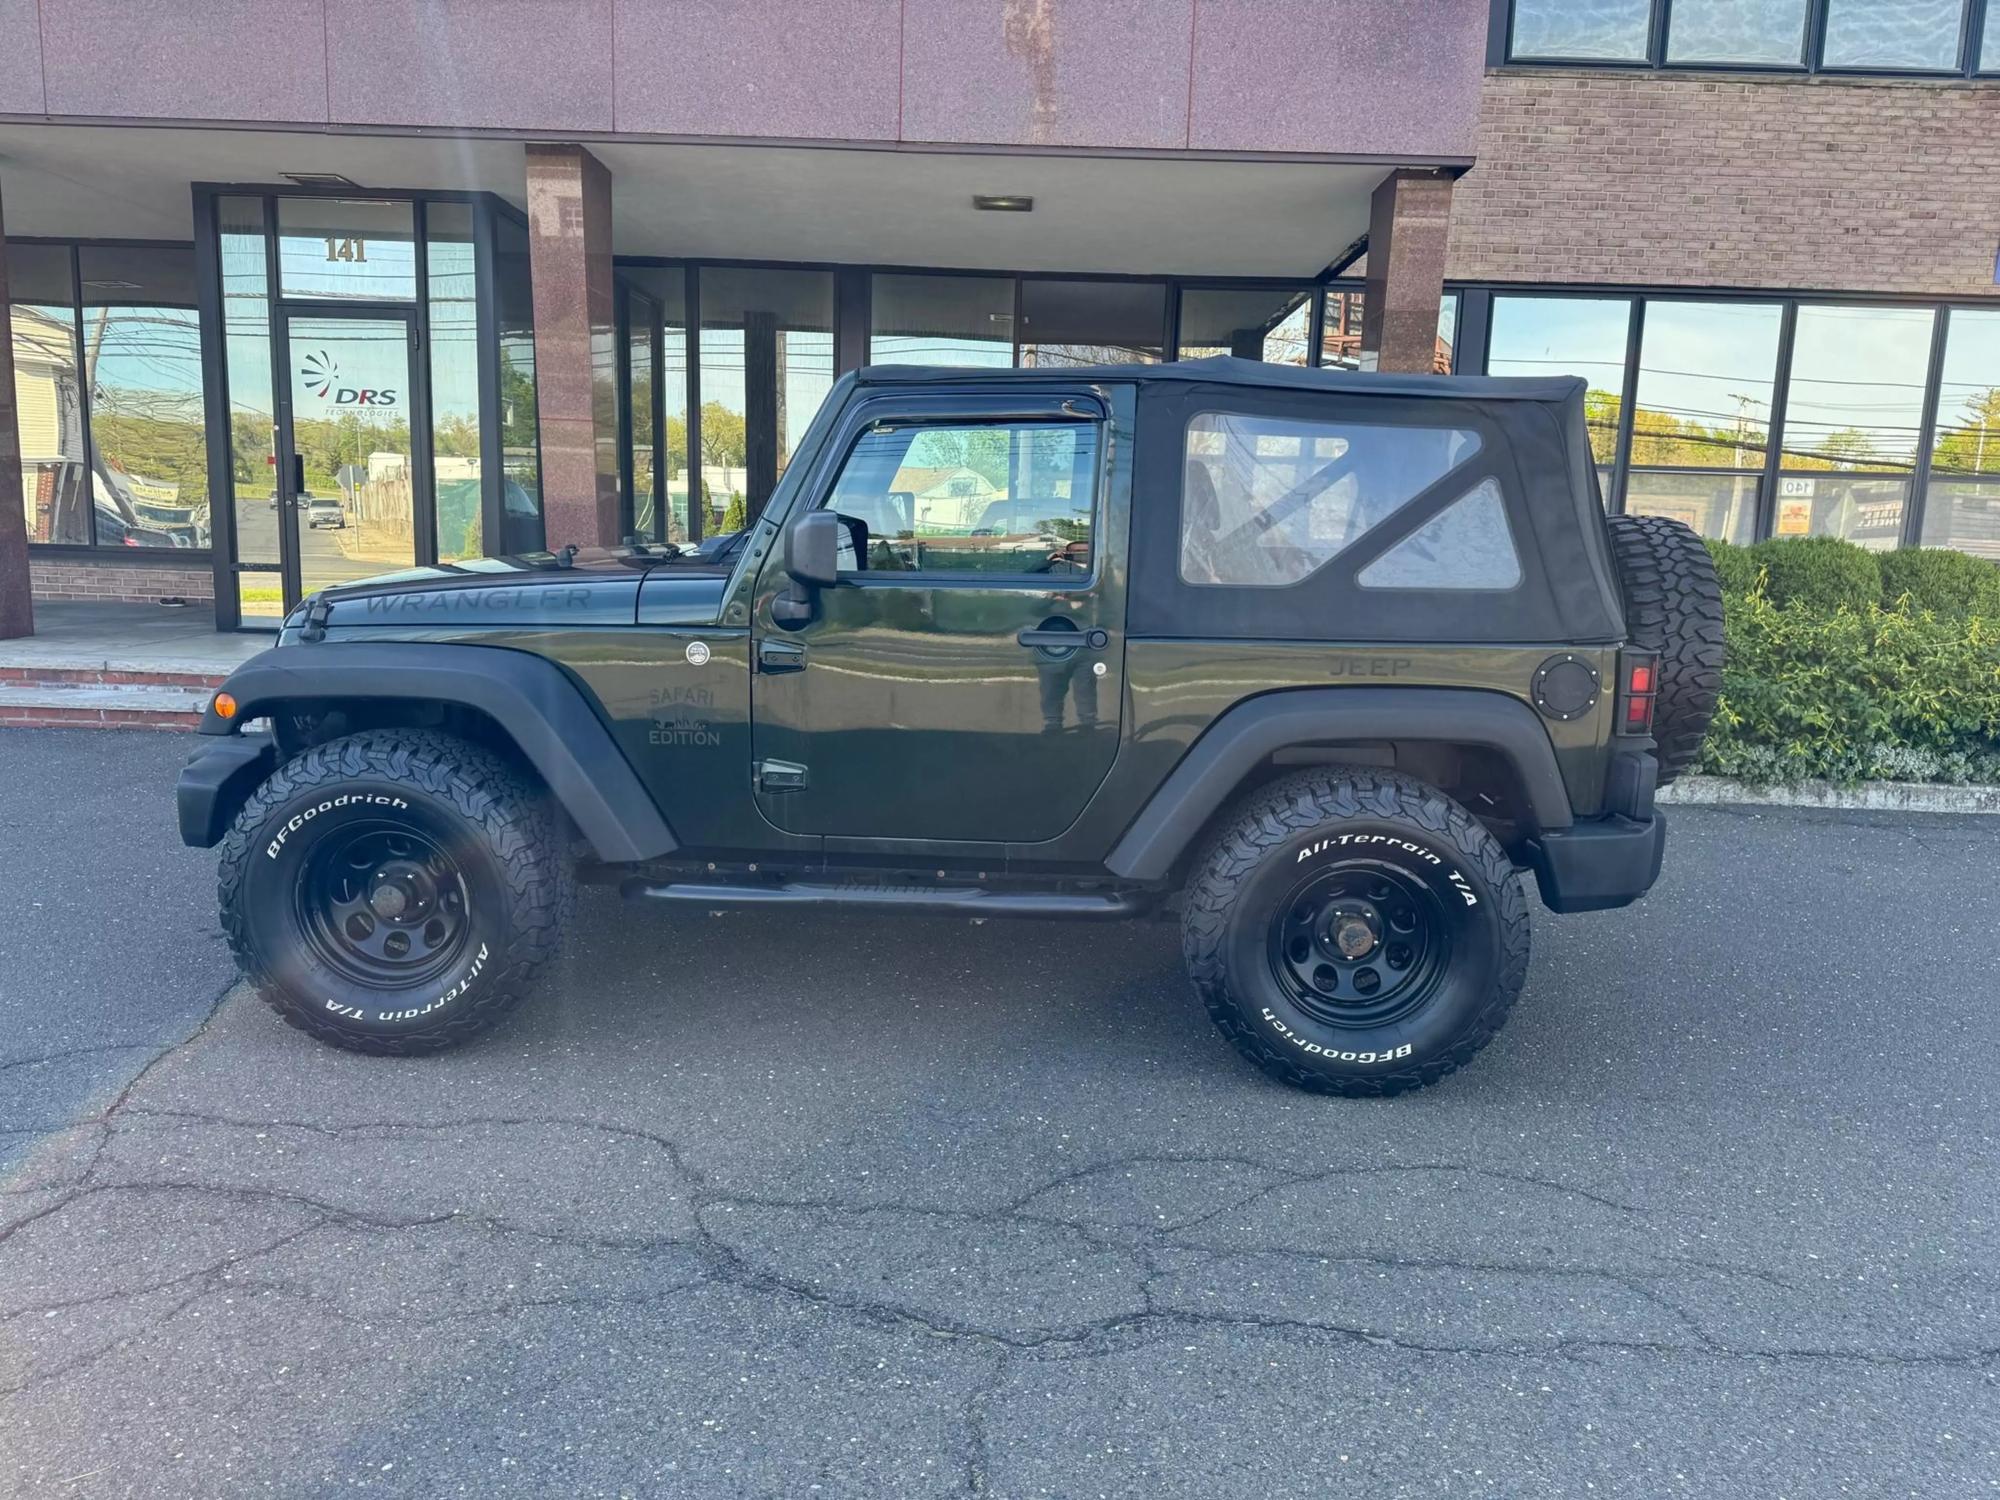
[1266,502]
[1467,545]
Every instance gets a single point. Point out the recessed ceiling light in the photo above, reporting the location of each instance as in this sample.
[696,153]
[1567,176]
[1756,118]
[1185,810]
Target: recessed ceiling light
[1003,203]
[319,179]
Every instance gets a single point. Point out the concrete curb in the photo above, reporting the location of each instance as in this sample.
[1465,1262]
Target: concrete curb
[1870,796]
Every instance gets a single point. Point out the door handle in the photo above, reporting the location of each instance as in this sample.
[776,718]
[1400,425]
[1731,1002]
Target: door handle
[1095,639]
[774,657]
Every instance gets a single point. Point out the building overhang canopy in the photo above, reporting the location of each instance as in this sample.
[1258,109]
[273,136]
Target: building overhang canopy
[1115,213]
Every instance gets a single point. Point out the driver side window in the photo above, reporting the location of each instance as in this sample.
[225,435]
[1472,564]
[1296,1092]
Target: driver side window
[969,498]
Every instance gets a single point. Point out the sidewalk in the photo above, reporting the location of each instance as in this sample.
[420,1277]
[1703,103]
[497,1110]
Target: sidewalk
[140,666]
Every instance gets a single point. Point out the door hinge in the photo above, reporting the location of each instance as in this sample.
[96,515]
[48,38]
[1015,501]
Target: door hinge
[780,656]
[779,776]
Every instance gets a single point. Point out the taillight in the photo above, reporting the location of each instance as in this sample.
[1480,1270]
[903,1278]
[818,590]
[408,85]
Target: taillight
[1638,686]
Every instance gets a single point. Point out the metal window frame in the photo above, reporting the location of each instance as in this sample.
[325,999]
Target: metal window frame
[697,496]
[1969,65]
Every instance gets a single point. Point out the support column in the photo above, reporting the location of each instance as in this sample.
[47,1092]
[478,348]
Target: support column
[576,344]
[1408,221]
[17,607]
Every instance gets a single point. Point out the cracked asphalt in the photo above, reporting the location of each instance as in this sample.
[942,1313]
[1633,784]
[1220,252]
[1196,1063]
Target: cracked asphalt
[832,1206]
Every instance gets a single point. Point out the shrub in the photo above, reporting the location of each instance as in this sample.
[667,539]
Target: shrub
[1737,567]
[1953,584]
[1853,694]
[1820,572]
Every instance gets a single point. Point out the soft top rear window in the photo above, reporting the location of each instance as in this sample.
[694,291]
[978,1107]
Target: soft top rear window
[1268,500]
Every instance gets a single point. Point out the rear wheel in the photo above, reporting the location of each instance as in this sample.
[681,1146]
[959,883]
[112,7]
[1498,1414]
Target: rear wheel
[1673,605]
[1356,932]
[393,891]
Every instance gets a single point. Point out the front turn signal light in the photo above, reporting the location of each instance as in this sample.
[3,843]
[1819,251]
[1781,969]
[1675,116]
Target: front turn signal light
[225,706]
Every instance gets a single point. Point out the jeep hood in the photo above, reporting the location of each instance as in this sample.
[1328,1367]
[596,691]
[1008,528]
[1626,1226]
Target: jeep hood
[592,586]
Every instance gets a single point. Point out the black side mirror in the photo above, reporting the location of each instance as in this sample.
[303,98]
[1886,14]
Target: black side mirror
[812,562]
[812,550]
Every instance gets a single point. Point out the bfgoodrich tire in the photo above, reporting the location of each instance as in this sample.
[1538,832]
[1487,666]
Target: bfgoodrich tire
[394,891]
[1673,605]
[1355,932]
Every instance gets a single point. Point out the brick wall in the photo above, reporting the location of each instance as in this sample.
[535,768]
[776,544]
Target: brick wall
[86,578]
[1824,184]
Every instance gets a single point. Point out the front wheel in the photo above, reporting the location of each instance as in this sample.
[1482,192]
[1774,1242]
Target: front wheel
[394,891]
[1356,932]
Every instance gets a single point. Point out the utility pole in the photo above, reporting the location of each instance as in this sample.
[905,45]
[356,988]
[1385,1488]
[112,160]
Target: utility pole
[17,608]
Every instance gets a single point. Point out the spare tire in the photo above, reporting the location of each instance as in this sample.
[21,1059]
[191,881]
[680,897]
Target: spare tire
[1673,605]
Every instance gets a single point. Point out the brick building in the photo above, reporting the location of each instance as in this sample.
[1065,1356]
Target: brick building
[339,291]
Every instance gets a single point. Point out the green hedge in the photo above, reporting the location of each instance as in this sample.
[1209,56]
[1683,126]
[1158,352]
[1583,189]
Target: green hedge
[1830,678]
[1820,572]
[1936,578]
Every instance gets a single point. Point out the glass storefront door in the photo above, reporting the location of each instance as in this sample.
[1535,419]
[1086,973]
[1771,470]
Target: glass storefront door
[371,400]
[356,499]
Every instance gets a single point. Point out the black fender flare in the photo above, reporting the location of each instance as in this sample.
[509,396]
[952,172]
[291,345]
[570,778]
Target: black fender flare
[1215,765]
[550,719]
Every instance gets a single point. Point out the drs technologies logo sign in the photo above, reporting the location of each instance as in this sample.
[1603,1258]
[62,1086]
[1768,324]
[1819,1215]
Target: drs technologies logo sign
[320,374]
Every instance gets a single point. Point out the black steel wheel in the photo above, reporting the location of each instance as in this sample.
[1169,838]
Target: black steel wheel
[394,891]
[1355,932]
[1360,943]
[384,905]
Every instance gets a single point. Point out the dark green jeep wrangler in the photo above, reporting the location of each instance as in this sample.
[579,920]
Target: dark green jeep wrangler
[1323,660]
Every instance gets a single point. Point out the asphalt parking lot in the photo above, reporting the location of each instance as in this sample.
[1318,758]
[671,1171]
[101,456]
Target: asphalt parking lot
[765,1205]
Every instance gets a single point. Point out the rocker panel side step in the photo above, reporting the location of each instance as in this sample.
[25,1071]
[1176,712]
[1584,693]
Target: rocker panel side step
[962,901]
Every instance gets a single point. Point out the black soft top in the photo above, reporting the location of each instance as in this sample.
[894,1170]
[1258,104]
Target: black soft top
[1536,448]
[1222,369]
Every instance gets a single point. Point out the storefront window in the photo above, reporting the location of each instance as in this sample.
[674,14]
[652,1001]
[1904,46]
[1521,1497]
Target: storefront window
[1604,30]
[1340,330]
[55,488]
[520,435]
[1066,323]
[1271,324]
[1962,501]
[347,250]
[1989,46]
[1720,504]
[766,365]
[1707,373]
[941,320]
[1583,336]
[1854,406]
[1893,34]
[142,370]
[670,295]
[641,383]
[454,314]
[1768,32]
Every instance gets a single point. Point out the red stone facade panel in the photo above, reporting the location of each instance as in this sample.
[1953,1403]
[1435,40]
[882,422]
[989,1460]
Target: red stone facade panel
[21,47]
[192,59]
[1384,77]
[828,70]
[501,64]
[1108,73]
[1822,184]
